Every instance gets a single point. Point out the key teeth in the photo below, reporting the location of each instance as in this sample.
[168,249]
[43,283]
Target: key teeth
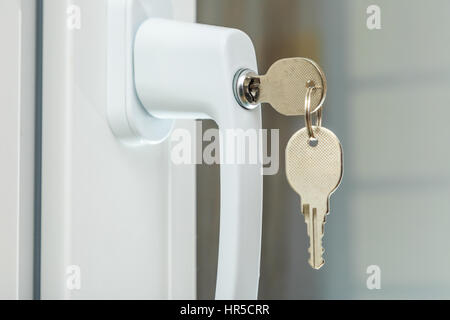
[307,211]
[318,266]
[310,260]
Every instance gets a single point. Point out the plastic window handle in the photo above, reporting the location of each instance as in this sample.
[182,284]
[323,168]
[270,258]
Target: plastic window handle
[185,71]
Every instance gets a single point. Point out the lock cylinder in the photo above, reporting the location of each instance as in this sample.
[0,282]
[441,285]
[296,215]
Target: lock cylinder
[246,88]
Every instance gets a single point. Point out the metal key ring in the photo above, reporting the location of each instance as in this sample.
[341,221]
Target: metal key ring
[323,87]
[308,119]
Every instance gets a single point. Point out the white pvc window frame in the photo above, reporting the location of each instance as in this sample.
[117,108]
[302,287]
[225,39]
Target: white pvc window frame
[17,151]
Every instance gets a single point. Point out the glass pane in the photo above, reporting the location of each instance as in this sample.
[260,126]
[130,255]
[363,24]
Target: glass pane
[388,102]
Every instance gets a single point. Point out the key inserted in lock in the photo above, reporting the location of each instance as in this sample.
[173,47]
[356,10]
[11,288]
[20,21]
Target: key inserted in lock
[284,86]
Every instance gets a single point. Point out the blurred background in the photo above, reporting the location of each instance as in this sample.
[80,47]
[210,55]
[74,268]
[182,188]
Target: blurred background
[389,103]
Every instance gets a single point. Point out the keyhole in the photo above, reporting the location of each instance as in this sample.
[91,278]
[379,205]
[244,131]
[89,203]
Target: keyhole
[253,89]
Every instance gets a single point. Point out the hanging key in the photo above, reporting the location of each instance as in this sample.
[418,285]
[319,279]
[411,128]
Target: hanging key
[314,172]
[283,87]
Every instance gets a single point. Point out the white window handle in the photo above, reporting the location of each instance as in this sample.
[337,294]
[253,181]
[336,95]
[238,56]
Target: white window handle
[186,70]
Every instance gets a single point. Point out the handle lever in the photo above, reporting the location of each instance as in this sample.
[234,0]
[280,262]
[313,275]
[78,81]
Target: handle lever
[186,70]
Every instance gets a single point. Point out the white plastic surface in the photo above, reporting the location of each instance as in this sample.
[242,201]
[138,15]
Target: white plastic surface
[128,119]
[185,70]
[118,222]
[17,118]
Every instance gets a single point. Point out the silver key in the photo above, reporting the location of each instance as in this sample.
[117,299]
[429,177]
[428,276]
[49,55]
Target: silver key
[283,87]
[314,172]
